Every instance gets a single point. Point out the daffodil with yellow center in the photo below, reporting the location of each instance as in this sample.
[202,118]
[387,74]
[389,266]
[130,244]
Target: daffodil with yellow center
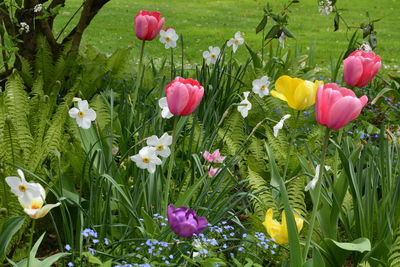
[278,231]
[299,94]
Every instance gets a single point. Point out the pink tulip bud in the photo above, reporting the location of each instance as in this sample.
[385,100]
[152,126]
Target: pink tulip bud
[360,68]
[148,24]
[214,157]
[183,96]
[185,222]
[336,106]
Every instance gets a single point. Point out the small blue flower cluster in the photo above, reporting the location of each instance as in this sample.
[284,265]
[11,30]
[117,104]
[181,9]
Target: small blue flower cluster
[265,243]
[161,219]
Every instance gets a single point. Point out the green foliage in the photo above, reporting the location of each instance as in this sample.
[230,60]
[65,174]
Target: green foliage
[394,254]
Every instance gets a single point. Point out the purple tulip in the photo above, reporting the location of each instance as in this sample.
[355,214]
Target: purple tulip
[184,222]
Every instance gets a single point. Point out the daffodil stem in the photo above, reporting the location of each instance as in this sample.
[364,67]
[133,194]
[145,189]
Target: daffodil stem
[30,242]
[172,64]
[317,190]
[139,76]
[171,162]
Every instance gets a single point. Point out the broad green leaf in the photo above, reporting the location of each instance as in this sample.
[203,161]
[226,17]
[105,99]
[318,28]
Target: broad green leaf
[361,245]
[10,227]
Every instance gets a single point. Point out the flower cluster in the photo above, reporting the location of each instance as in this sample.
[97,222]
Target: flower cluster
[147,158]
[325,7]
[30,195]
[213,158]
[211,55]
[24,27]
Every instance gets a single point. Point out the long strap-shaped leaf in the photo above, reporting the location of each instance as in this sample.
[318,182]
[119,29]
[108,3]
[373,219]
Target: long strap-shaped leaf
[294,243]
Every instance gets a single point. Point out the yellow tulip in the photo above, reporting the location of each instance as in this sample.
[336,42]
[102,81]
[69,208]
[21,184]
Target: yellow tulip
[278,231]
[299,94]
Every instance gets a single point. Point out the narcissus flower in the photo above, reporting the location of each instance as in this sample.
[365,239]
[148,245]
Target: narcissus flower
[211,56]
[298,93]
[168,37]
[183,96]
[161,144]
[261,86]
[30,195]
[163,104]
[185,222]
[35,209]
[278,231]
[245,105]
[22,189]
[147,159]
[83,114]
[236,41]
[148,24]
[279,125]
[360,67]
[337,106]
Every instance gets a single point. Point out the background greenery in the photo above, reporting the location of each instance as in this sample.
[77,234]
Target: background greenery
[210,22]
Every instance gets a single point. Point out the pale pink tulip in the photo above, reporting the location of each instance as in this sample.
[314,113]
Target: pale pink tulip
[213,171]
[183,96]
[360,68]
[214,157]
[148,24]
[336,106]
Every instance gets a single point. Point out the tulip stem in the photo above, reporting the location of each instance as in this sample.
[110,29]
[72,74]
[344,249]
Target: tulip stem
[172,64]
[139,76]
[30,242]
[171,161]
[317,190]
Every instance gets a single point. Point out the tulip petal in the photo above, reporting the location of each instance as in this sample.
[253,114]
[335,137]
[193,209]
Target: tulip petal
[141,27]
[177,97]
[343,111]
[353,70]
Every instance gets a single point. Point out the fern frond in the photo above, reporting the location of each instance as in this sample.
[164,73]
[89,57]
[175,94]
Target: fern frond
[296,195]
[102,111]
[394,254]
[44,61]
[16,109]
[263,199]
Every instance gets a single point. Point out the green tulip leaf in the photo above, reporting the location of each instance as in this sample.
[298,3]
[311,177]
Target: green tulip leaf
[10,227]
[361,245]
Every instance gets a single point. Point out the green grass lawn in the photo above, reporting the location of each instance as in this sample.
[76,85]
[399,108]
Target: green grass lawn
[211,22]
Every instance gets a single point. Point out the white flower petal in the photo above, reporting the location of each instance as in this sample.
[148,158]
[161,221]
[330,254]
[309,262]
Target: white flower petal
[90,114]
[83,105]
[162,102]
[151,168]
[73,112]
[165,153]
[153,141]
[166,139]
[206,54]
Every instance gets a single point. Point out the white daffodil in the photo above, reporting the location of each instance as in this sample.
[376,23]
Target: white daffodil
[147,159]
[282,39]
[325,7]
[31,196]
[236,41]
[245,105]
[22,189]
[211,56]
[279,125]
[168,37]
[161,144]
[163,104]
[83,114]
[260,86]
[313,182]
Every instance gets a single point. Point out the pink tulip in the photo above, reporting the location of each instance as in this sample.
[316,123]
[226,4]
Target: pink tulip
[336,106]
[214,157]
[360,68]
[148,24]
[213,171]
[183,96]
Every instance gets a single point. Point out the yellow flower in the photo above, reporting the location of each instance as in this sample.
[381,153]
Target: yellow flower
[278,231]
[298,93]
